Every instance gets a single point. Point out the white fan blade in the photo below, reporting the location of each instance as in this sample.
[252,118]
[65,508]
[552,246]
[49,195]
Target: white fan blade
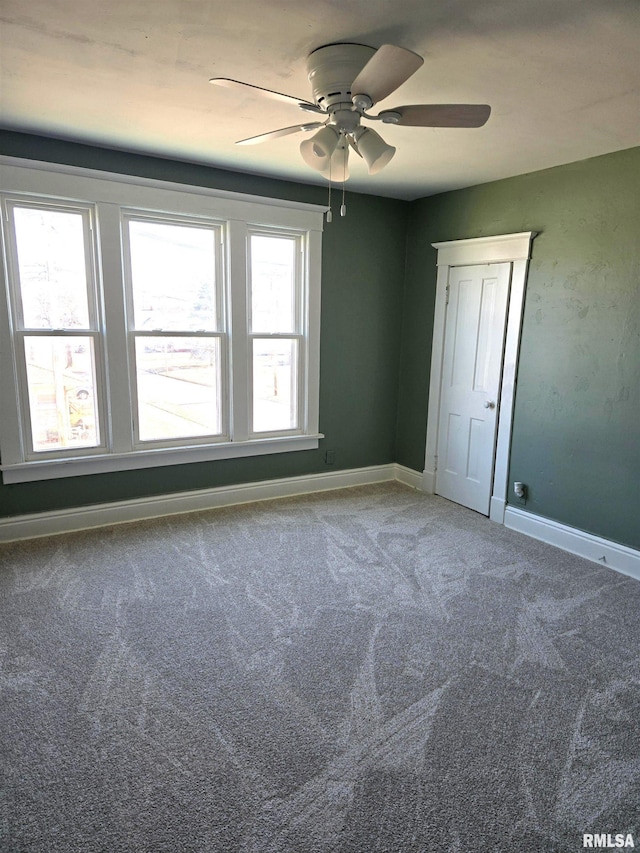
[267,93]
[440,115]
[283,131]
[387,69]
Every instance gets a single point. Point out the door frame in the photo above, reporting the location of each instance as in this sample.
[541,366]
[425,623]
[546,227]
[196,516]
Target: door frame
[506,248]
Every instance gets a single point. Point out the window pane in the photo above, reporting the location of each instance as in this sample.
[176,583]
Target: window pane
[178,387]
[275,381]
[173,277]
[52,268]
[273,277]
[61,380]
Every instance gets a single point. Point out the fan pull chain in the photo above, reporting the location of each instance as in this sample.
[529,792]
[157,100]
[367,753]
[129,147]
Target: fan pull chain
[329,213]
[343,206]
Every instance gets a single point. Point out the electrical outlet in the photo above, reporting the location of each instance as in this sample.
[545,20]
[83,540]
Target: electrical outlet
[520,490]
[330,457]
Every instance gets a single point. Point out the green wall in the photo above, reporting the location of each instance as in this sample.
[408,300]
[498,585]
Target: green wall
[576,433]
[362,281]
[576,436]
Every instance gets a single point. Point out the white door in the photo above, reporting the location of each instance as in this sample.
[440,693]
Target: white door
[471,373]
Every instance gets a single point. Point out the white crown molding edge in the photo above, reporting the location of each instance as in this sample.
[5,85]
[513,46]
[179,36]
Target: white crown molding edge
[606,553]
[484,250]
[8,162]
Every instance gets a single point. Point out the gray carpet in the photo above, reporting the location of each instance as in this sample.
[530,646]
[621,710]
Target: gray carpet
[365,671]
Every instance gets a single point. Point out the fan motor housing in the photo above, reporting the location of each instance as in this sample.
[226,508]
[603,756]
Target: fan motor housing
[332,69]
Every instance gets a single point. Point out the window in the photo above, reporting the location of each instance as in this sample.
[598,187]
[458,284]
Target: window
[172,271]
[55,325]
[144,324]
[276,331]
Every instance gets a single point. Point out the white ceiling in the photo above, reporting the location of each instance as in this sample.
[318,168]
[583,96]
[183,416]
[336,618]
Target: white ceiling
[562,76]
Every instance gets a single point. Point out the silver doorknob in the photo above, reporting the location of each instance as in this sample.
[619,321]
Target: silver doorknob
[489,404]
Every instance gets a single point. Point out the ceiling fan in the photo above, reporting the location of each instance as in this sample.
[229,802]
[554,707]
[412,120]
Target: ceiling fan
[347,81]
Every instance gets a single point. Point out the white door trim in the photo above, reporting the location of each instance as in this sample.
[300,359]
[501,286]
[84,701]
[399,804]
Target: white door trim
[514,249]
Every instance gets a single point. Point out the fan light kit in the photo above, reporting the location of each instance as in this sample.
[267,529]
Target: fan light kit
[347,81]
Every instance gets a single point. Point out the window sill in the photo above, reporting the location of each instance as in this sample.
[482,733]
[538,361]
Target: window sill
[51,469]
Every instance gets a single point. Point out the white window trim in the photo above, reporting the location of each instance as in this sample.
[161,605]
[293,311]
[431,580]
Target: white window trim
[113,192]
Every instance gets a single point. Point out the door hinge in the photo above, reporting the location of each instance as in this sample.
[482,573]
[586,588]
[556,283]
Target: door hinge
[446,301]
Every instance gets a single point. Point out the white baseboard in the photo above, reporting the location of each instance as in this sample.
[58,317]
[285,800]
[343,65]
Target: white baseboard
[497,505]
[99,515]
[429,482]
[602,551]
[497,508]
[408,476]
